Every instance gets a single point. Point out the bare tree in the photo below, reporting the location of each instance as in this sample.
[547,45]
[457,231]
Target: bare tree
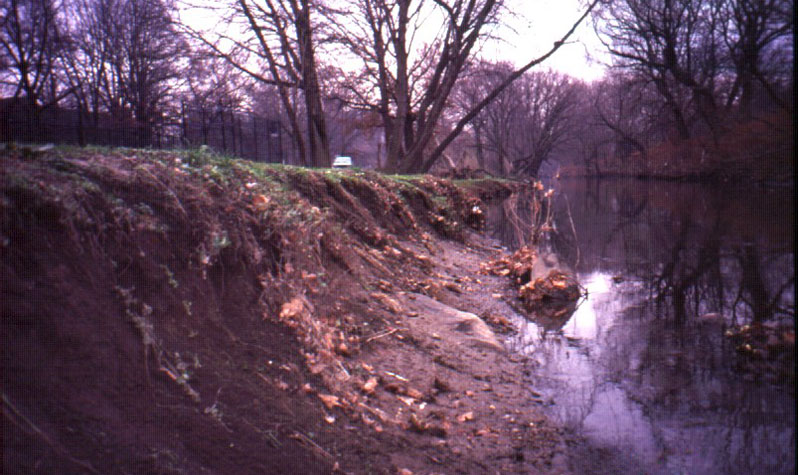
[212,89]
[704,57]
[491,127]
[526,122]
[210,82]
[273,42]
[469,90]
[86,66]
[547,102]
[125,59]
[404,80]
[152,49]
[409,82]
[622,104]
[758,35]
[31,44]
[659,40]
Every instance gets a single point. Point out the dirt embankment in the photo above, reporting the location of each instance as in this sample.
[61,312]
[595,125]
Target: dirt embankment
[191,314]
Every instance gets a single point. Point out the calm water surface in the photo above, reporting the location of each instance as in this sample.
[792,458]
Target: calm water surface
[642,369]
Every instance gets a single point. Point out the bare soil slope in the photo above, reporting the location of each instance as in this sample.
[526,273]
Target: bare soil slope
[167,313]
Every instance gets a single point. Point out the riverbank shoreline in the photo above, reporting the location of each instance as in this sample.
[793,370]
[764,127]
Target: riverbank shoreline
[702,179]
[185,313]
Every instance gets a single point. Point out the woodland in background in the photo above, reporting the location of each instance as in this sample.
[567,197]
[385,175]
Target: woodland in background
[696,89]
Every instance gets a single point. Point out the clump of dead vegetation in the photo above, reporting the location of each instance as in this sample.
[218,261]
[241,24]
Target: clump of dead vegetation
[547,295]
[765,349]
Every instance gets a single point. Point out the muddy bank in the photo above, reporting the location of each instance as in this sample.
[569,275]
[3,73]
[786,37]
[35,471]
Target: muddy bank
[169,313]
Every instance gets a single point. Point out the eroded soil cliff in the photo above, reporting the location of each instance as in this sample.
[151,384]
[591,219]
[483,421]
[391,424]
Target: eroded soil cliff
[168,313]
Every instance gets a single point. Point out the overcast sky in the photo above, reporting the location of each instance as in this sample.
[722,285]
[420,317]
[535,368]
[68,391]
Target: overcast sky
[541,22]
[526,35]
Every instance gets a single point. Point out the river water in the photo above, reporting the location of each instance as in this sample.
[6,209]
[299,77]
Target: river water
[642,372]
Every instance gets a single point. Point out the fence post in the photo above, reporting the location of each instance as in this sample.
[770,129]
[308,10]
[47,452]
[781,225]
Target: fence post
[233,132]
[184,128]
[255,137]
[240,137]
[81,132]
[224,134]
[271,135]
[280,143]
[206,127]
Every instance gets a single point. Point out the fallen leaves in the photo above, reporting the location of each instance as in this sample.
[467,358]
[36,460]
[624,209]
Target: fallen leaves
[465,417]
[292,310]
[499,322]
[370,385]
[557,285]
[536,293]
[420,425]
[416,424]
[330,401]
[407,400]
[390,303]
[261,202]
[343,350]
[453,287]
[414,393]
[373,410]
[518,265]
[384,285]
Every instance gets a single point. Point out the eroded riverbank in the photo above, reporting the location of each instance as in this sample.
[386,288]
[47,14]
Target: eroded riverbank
[172,313]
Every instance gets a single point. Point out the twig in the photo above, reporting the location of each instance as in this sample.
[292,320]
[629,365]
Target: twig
[397,376]
[573,229]
[434,459]
[341,365]
[381,335]
[9,408]
[264,378]
[377,412]
[303,438]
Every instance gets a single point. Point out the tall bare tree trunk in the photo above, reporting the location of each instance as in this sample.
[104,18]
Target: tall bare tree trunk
[396,127]
[317,128]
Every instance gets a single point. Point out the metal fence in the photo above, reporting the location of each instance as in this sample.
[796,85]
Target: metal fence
[233,132]
[225,130]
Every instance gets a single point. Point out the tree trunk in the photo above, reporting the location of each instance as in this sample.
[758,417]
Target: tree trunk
[480,151]
[396,132]
[317,129]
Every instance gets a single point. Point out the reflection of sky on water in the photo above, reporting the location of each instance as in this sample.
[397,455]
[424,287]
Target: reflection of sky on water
[583,400]
[634,369]
[615,421]
[612,375]
[584,322]
[612,419]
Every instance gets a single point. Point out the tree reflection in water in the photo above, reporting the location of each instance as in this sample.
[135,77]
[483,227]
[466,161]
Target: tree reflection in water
[643,366]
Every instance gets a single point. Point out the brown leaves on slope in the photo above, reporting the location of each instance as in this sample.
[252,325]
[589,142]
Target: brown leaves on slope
[518,265]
